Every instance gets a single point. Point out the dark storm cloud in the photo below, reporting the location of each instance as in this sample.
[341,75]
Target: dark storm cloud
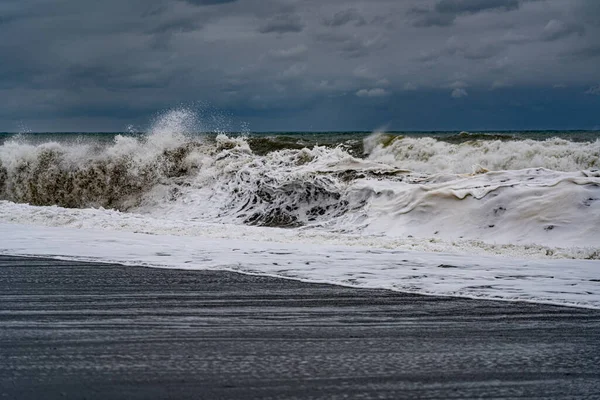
[445,12]
[283,23]
[352,46]
[356,47]
[7,19]
[474,6]
[586,53]
[293,53]
[208,2]
[594,90]
[588,11]
[556,29]
[184,24]
[425,18]
[453,48]
[296,64]
[344,17]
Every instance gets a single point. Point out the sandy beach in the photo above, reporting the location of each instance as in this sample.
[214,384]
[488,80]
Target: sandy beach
[97,331]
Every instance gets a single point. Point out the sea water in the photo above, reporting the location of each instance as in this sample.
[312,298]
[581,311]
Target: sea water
[502,215]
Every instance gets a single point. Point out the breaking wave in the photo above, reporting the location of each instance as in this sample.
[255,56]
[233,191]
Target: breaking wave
[494,189]
[431,155]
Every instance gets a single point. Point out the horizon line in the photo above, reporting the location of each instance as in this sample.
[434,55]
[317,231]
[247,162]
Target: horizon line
[595,129]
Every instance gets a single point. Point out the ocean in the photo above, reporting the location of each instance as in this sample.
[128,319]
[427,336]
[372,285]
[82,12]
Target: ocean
[497,215]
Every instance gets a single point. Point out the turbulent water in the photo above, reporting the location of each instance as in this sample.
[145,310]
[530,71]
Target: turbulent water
[524,194]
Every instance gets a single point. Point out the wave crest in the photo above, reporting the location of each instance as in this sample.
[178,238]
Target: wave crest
[220,179]
[81,176]
[430,155]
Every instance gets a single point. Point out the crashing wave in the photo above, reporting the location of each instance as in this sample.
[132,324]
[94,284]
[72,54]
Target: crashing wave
[500,191]
[430,155]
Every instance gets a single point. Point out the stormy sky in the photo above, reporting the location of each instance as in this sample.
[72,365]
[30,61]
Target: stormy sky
[73,65]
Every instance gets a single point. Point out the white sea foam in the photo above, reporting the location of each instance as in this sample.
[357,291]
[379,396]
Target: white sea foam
[429,155]
[565,282]
[517,200]
[111,220]
[169,177]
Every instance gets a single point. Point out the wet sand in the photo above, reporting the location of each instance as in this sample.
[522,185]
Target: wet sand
[97,331]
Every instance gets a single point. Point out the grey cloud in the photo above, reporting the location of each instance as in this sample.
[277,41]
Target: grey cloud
[425,18]
[481,52]
[7,19]
[589,11]
[364,73]
[445,12]
[500,84]
[556,29]
[594,90]
[511,37]
[454,48]
[117,77]
[353,46]
[112,58]
[332,37]
[584,53]
[375,92]
[292,53]
[474,6]
[208,2]
[459,93]
[458,85]
[282,23]
[388,22]
[294,71]
[344,17]
[184,24]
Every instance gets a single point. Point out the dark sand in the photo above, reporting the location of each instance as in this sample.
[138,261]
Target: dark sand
[95,331]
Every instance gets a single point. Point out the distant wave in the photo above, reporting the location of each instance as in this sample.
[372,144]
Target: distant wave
[433,155]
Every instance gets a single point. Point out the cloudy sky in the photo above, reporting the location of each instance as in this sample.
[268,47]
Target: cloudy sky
[301,64]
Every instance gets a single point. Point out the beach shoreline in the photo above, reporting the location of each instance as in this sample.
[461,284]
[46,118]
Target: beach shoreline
[71,329]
